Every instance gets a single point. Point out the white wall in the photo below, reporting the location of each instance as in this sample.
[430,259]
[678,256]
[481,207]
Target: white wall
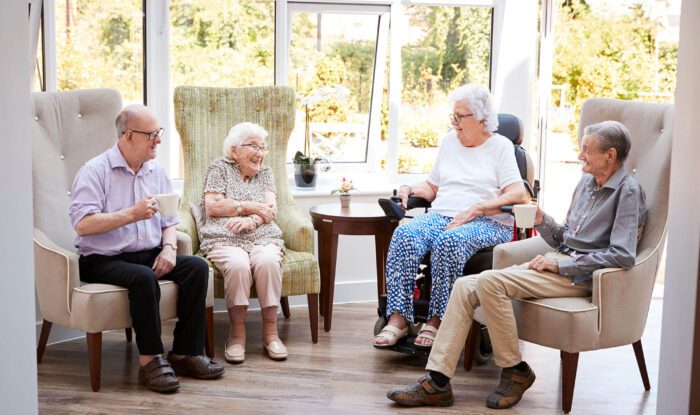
[18,387]
[515,60]
[684,226]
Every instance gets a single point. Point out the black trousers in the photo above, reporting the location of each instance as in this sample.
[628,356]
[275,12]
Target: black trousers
[132,270]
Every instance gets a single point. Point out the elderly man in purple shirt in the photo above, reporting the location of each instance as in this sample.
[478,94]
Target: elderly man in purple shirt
[124,240]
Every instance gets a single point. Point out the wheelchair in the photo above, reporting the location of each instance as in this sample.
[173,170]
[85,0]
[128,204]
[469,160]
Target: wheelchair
[510,127]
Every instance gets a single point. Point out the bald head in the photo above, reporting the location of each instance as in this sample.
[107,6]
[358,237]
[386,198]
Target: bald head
[132,115]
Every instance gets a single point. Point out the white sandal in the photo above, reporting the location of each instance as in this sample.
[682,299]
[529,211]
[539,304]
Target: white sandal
[391,333]
[426,332]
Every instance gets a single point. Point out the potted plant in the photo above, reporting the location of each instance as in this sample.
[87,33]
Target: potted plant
[305,170]
[344,192]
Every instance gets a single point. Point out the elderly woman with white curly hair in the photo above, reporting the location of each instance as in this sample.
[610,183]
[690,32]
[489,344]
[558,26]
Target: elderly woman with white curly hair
[240,237]
[474,174]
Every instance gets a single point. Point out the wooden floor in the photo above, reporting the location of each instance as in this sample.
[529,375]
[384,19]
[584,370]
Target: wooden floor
[342,374]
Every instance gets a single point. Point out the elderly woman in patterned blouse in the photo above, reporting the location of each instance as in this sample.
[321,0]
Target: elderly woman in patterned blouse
[240,237]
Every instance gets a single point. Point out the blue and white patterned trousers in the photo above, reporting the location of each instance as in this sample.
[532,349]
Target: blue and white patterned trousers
[449,251]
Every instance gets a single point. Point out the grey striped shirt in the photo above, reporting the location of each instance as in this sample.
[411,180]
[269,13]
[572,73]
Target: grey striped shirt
[602,227]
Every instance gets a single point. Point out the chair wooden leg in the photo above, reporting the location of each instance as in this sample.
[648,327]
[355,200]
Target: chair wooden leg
[209,331]
[94,343]
[313,316]
[43,338]
[569,366]
[284,302]
[470,345]
[129,334]
[639,354]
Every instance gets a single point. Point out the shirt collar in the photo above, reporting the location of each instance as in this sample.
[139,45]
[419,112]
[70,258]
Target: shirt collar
[613,181]
[116,159]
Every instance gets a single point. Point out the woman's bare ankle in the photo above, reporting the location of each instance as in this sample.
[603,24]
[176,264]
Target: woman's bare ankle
[397,320]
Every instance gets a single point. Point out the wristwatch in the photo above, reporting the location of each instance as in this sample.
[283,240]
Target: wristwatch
[171,246]
[239,209]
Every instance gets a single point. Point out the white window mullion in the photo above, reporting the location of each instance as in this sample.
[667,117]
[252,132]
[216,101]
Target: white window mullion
[282,36]
[398,32]
[50,45]
[379,80]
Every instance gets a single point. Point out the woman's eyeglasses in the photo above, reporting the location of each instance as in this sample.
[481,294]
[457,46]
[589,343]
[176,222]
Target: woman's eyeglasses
[256,148]
[457,118]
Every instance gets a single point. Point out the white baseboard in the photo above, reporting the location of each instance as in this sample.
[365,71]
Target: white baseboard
[345,292]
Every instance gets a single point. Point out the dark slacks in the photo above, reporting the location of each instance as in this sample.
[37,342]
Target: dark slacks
[132,270]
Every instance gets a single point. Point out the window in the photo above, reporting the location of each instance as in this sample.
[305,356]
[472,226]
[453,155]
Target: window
[100,44]
[445,47]
[607,49]
[222,43]
[332,69]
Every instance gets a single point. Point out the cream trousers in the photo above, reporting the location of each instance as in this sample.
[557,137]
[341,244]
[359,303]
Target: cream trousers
[263,266]
[493,290]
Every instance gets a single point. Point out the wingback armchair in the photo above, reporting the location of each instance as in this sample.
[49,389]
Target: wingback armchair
[203,117]
[70,128]
[616,313]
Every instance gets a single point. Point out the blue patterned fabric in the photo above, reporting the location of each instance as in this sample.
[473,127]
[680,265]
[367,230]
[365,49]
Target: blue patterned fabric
[449,250]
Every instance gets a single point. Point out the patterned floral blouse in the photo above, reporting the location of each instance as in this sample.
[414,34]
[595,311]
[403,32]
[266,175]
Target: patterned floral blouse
[224,176]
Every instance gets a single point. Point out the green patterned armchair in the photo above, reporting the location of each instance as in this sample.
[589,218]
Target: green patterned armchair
[203,117]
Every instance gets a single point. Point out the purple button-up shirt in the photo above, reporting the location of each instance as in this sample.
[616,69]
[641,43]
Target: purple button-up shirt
[107,184]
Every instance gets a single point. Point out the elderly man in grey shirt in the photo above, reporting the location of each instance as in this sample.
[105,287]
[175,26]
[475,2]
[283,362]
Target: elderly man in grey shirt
[602,228]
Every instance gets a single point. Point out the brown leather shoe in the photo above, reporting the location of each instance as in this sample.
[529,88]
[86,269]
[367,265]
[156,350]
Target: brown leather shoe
[425,392]
[199,367]
[513,385]
[158,376]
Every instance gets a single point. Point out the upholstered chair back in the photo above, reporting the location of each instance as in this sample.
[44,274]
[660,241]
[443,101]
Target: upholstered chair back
[203,118]
[69,129]
[650,127]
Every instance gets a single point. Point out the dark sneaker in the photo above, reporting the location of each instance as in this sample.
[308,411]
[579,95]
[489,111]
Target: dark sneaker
[158,376]
[199,367]
[423,393]
[513,384]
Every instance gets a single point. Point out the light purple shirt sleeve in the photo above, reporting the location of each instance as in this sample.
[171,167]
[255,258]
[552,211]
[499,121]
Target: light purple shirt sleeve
[87,193]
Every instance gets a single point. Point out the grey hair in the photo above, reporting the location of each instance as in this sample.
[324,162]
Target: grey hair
[240,132]
[127,114]
[479,99]
[611,134]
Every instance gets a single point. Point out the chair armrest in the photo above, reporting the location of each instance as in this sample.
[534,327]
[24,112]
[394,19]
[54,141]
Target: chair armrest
[518,252]
[188,227]
[56,275]
[297,230]
[184,244]
[623,297]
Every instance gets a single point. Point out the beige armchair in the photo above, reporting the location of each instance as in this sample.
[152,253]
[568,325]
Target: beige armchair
[69,129]
[616,313]
[203,117]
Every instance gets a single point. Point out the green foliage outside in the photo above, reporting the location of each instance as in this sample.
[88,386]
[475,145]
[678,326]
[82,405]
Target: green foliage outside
[99,45]
[599,54]
[422,136]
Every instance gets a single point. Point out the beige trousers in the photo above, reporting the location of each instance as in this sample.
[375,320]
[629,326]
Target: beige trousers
[493,290]
[263,266]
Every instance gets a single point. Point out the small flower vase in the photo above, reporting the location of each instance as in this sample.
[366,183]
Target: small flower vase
[345,201]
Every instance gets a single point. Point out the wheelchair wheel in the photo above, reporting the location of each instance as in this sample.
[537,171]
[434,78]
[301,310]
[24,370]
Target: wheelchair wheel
[484,350]
[380,324]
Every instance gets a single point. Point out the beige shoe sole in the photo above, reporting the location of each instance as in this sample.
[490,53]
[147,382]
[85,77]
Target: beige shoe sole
[234,353]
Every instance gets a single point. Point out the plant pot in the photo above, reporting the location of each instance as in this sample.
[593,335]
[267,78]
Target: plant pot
[345,201]
[305,175]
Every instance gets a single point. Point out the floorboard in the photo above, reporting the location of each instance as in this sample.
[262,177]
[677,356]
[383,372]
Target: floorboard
[342,374]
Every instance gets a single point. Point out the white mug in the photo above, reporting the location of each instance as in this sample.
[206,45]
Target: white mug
[167,204]
[525,215]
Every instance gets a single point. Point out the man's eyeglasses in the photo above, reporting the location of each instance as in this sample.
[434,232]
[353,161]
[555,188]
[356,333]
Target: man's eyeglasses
[457,118]
[151,136]
[256,148]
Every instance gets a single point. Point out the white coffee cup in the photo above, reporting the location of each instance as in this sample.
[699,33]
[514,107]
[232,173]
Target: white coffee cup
[525,215]
[167,204]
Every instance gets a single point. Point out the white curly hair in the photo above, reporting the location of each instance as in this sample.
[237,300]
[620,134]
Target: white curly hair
[239,132]
[479,99]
